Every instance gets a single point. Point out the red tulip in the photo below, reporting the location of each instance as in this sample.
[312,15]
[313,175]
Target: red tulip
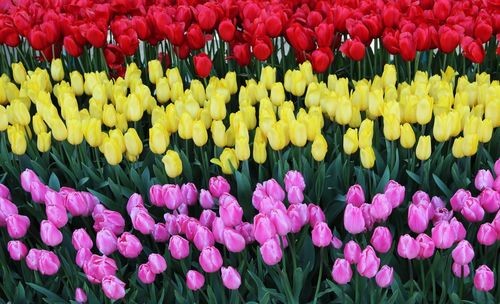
[321,59]
[227,30]
[473,50]
[299,37]
[195,37]
[206,17]
[262,48]
[274,26]
[448,39]
[241,52]
[353,49]
[407,47]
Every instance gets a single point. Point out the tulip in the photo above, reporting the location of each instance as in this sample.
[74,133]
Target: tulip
[367,156]
[57,70]
[463,253]
[352,252]
[484,279]
[319,148]
[33,259]
[490,200]
[80,295]
[17,225]
[172,196]
[133,142]
[487,235]
[443,235]
[49,233]
[106,241]
[18,72]
[381,239]
[427,246]
[350,142]
[145,275]
[5,192]
[173,163]
[341,271]
[129,245]
[470,144]
[271,252]
[460,271]
[17,250]
[194,280]
[113,287]
[354,221]
[408,247]
[160,233]
[299,216]
[496,167]
[178,247]
[231,212]
[368,263]
[203,237]
[355,195]
[233,240]
[418,218]
[321,235]
[384,276]
[458,199]
[48,263]
[484,179]
[210,259]
[365,133]
[395,193]
[202,65]
[380,208]
[316,214]
[407,138]
[155,71]
[472,210]
[230,278]
[423,147]
[81,239]
[264,229]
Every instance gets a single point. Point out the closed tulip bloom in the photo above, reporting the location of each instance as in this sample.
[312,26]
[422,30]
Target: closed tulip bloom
[112,151]
[93,134]
[200,135]
[484,179]
[460,271]
[440,130]
[427,246]
[81,239]
[113,287]
[384,276]
[57,70]
[33,259]
[231,213]
[381,208]
[423,151]
[43,142]
[155,71]
[321,235]
[472,210]
[194,280]
[142,221]
[458,199]
[134,109]
[408,247]
[298,133]
[368,263]
[271,252]
[365,133]
[355,195]
[381,239]
[443,235]
[418,219]
[17,141]
[17,250]
[424,111]
[490,200]
[129,245]
[230,278]
[48,263]
[487,235]
[162,90]
[210,259]
[233,240]
[75,132]
[319,148]
[350,142]
[178,247]
[49,233]
[316,214]
[264,229]
[172,196]
[407,138]
[367,156]
[469,144]
[76,80]
[218,185]
[463,253]
[19,72]
[395,193]
[145,275]
[173,163]
[80,295]
[281,221]
[391,127]
[218,131]
[17,225]
[203,237]
[354,221]
[106,241]
[341,271]
[484,279]
[352,252]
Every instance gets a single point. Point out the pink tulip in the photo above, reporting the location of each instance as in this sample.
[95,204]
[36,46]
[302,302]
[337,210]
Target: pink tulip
[352,252]
[442,214]
[194,280]
[178,247]
[341,271]
[484,179]
[113,287]
[354,221]
[258,195]
[82,256]
[336,242]
[368,263]
[190,194]
[33,259]
[437,202]
[274,190]
[75,204]
[172,224]
[142,221]
[458,229]
[294,179]
[408,247]
[295,195]
[111,220]
[417,218]
[57,215]
[207,218]
[496,224]
[106,241]
[443,235]
[156,195]
[233,240]
[157,263]
[316,214]
[230,211]
[496,167]
[496,184]
[263,228]
[355,195]
[17,250]
[172,196]
[206,200]
[81,239]
[321,235]
[129,245]
[203,238]
[299,216]
[218,185]
[463,253]
[426,245]
[134,201]
[267,204]
[80,295]
[38,191]
[381,208]
[271,252]
[218,230]
[27,178]
[182,210]
[460,271]
[7,208]
[189,227]
[458,199]
[48,263]
[395,193]
[281,221]
[98,267]
[420,197]
[49,233]
[384,276]
[230,278]
[367,217]
[145,274]
[487,235]
[91,202]
[5,192]
[381,239]
[246,231]
[472,210]
[17,225]
[489,200]
[484,279]
[210,259]
[160,233]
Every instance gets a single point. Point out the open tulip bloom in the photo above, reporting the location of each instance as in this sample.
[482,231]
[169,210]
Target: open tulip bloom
[249,151]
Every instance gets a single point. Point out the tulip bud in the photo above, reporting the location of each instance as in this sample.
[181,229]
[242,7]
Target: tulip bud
[354,221]
[133,142]
[384,276]
[484,278]
[352,252]
[57,70]
[427,246]
[48,263]
[365,133]
[443,235]
[487,235]
[341,271]
[49,233]
[319,148]
[80,295]
[271,252]
[44,141]
[350,142]
[113,287]
[19,72]
[178,247]
[321,235]
[460,271]
[408,247]
[423,147]
[470,144]
[407,138]
[194,280]
[367,156]
[381,239]
[81,239]
[173,163]
[368,263]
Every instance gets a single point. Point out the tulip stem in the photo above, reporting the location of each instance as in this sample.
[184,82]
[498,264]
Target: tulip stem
[423,277]
[321,253]
[433,286]
[411,276]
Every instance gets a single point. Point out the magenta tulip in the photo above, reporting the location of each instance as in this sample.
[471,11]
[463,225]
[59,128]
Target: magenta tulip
[271,252]
[463,253]
[443,235]
[274,190]
[49,233]
[142,220]
[48,263]
[263,228]
[172,196]
[484,279]
[490,200]
[218,185]
[194,280]
[189,193]
[381,208]
[281,221]
[395,193]
[426,245]
[17,250]
[17,225]
[210,259]
[295,195]
[341,271]
[458,199]
[7,208]
[157,263]
[33,258]
[354,221]
[81,239]
[418,218]
[203,238]
[80,295]
[368,263]
[299,216]
[484,179]
[145,274]
[5,192]
[106,241]
[206,200]
[472,210]
[487,235]
[113,287]
[408,247]
[316,214]
[129,245]
[321,235]
[230,211]
[82,256]
[352,252]
[233,240]
[384,276]
[207,217]
[460,271]
[294,179]
[97,267]
[160,233]
[381,239]
[230,278]
[27,178]
[355,195]
[156,196]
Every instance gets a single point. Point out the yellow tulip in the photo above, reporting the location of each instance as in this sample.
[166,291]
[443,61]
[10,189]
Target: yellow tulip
[58,128]
[492,112]
[355,118]
[57,70]
[313,95]
[350,143]
[298,133]
[424,147]
[306,71]
[200,135]
[261,91]
[155,70]
[17,140]
[375,103]
[43,141]
[76,80]
[19,72]
[457,149]
[389,76]
[470,144]
[298,83]
[365,133]
[112,152]
[454,124]
[121,122]
[133,142]
[174,76]
[18,113]
[319,148]
[157,139]
[135,108]
[75,133]
[198,91]
[343,113]
[407,138]
[242,148]
[162,90]
[440,129]
[471,125]
[172,118]
[109,115]
[230,136]
[4,119]
[173,164]
[12,92]
[277,94]
[117,135]
[259,152]
[218,130]
[277,137]
[217,107]
[268,77]
[360,95]
[92,133]
[227,161]
[367,156]
[231,82]
[249,116]
[185,126]
[3,94]
[424,111]
[485,131]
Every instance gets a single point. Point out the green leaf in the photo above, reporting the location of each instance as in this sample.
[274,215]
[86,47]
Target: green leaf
[447,192]
[414,177]
[54,182]
[52,297]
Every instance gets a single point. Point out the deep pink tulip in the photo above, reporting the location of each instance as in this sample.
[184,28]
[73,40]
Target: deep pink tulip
[230,278]
[17,225]
[336,242]
[134,201]
[33,258]
[113,287]
[395,193]
[112,220]
[230,212]
[437,202]
[182,210]
[172,223]
[352,252]
[496,167]
[496,224]
[218,230]
[484,279]
[460,271]
[157,263]
[91,202]
[408,247]
[97,267]
[190,194]
[75,203]
[203,237]
[368,263]
[427,246]
[178,247]
[443,235]
[496,184]
[80,295]
[145,274]
[218,185]
[418,218]
[106,241]
[442,214]
[7,208]
[295,195]
[142,221]
[51,236]
[189,227]
[194,280]
[27,178]
[258,195]
[274,190]
[458,229]
[458,199]
[172,196]
[160,233]
[472,210]
[38,191]
[233,240]
[17,250]
[421,197]
[367,217]
[487,235]
[5,192]
[294,179]
[490,200]
[381,239]
[129,245]
[82,256]
[463,253]
[341,271]
[210,259]
[48,263]
[263,228]
[484,179]
[268,203]
[299,216]
[354,221]
[271,252]
[207,217]
[281,221]
[81,239]
[355,195]
[206,200]
[316,214]
[246,231]
[384,276]
[381,208]
[156,196]
[321,235]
